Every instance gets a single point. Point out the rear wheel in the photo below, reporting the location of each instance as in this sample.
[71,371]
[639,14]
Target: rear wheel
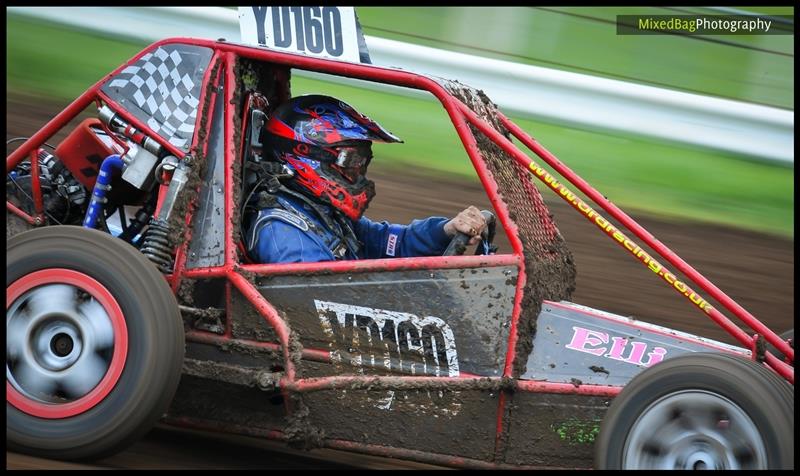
[700,411]
[94,344]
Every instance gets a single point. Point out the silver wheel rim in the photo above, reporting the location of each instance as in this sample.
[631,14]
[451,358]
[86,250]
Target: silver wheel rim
[59,343]
[694,429]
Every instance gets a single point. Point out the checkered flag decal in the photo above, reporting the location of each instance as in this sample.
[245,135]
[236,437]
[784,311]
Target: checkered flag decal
[162,89]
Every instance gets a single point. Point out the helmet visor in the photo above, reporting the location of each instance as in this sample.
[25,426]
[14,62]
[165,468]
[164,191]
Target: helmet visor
[353,156]
[352,160]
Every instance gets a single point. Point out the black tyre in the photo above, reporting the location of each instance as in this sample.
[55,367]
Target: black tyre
[700,411]
[94,344]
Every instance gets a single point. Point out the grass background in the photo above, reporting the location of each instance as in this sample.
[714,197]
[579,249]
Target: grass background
[753,68]
[638,174]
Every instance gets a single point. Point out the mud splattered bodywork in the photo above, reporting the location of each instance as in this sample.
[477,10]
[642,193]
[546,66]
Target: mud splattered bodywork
[431,322]
[596,347]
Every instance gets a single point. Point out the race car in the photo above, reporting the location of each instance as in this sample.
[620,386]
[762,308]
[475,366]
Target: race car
[130,299]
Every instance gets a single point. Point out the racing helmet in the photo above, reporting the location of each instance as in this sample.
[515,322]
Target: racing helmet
[328,145]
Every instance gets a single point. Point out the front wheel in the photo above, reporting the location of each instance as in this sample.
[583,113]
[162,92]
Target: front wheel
[94,343]
[700,411]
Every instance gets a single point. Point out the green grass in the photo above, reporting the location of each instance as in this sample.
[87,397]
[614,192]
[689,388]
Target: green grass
[59,62]
[754,68]
[637,174]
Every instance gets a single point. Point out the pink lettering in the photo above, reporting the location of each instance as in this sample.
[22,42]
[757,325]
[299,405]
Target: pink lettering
[588,341]
[656,356]
[583,337]
[617,347]
[637,352]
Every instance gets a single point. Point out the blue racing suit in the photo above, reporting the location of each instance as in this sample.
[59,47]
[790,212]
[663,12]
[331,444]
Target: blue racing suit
[291,232]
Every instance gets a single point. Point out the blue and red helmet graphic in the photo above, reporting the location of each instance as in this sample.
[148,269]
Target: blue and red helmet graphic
[325,121]
[307,133]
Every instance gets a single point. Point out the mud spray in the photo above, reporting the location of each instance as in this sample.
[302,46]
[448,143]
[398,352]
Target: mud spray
[549,265]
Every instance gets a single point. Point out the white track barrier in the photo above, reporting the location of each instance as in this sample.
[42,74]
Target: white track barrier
[534,92]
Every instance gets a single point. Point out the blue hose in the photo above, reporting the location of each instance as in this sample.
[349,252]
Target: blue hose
[111,163]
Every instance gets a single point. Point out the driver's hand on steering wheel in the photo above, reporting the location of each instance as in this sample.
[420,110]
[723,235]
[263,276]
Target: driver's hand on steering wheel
[470,222]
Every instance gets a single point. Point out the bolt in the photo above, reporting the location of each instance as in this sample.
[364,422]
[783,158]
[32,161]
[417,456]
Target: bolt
[61,345]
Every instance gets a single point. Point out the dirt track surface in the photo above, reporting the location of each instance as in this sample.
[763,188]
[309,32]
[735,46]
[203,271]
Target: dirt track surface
[756,270]
[172,448]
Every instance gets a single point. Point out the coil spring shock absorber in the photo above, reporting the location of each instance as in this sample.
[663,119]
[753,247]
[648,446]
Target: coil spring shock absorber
[157,246]
[157,242]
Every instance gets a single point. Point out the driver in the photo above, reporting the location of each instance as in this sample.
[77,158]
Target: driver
[307,198]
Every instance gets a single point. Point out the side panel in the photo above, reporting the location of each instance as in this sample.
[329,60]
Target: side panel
[207,247]
[432,322]
[411,322]
[553,430]
[576,344]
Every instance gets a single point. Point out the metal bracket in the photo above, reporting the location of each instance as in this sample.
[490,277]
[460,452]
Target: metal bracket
[268,381]
[758,347]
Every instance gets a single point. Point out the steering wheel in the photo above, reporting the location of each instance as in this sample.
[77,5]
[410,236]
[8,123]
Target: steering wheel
[458,245]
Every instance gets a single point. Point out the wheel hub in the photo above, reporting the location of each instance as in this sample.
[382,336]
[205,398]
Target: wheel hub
[56,345]
[59,343]
[62,345]
[694,430]
[702,460]
[699,453]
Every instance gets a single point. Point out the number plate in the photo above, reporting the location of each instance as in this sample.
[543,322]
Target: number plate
[328,32]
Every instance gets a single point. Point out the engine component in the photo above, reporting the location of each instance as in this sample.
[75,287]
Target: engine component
[140,161]
[63,196]
[101,186]
[117,124]
[84,149]
[65,184]
[139,168]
